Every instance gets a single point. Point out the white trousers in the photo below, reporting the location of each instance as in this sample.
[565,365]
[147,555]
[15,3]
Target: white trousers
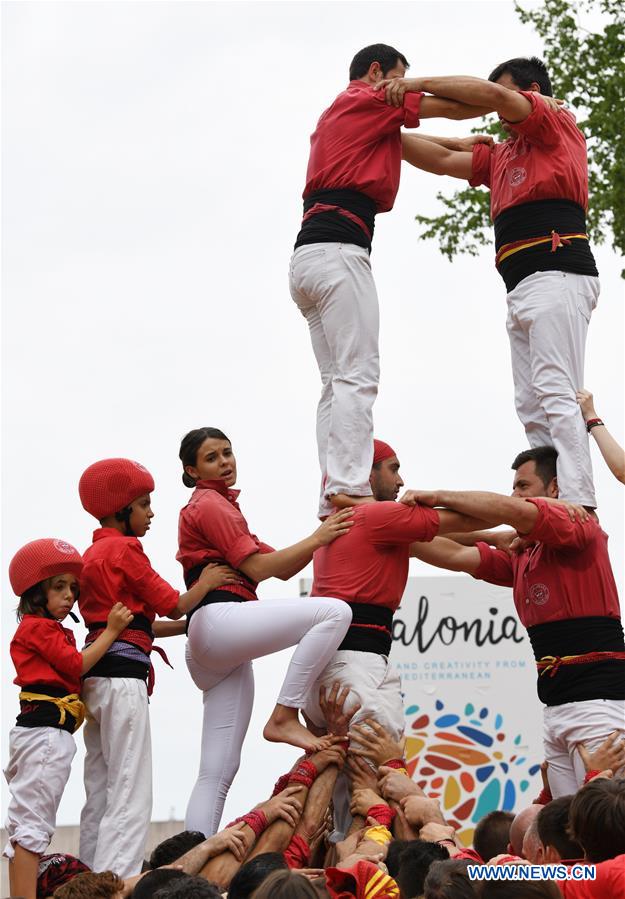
[334,289]
[223,639]
[376,686]
[548,317]
[115,819]
[589,722]
[40,759]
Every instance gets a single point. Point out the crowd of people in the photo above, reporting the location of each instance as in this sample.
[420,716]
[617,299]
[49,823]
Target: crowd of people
[347,820]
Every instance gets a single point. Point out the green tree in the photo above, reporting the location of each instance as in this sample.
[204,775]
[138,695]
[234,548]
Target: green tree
[587,69]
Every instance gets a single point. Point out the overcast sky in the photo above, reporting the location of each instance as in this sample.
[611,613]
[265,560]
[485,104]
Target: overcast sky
[153,160]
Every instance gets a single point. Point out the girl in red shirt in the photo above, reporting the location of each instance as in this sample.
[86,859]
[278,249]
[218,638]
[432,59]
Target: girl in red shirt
[44,574]
[229,628]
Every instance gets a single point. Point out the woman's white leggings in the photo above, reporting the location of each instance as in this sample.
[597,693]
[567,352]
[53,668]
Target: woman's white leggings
[223,639]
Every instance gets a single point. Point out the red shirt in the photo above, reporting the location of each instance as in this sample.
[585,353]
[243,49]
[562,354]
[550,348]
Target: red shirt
[609,881]
[212,526]
[544,160]
[565,573]
[357,144]
[116,569]
[44,652]
[369,564]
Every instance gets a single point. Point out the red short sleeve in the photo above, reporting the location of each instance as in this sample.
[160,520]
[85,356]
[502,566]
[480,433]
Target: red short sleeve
[388,119]
[480,165]
[554,527]
[144,582]
[54,643]
[541,125]
[495,566]
[389,522]
[412,109]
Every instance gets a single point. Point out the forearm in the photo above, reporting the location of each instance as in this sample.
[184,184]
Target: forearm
[223,867]
[473,92]
[611,451]
[434,157]
[444,553]
[188,600]
[317,803]
[94,652]
[169,628]
[473,537]
[196,858]
[282,563]
[493,509]
[449,143]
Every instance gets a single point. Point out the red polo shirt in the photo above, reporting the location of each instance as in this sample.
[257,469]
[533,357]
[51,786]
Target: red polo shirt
[369,564]
[212,527]
[116,569]
[564,573]
[544,160]
[44,652]
[357,144]
[609,881]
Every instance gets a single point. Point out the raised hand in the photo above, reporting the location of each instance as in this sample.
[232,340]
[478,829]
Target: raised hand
[119,618]
[332,706]
[363,800]
[394,785]
[334,526]
[375,743]
[361,775]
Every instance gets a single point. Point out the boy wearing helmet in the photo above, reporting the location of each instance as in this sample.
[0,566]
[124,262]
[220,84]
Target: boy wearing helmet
[118,766]
[44,574]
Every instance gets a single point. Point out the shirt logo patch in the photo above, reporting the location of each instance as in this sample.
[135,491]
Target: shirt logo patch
[517,176]
[539,594]
[64,547]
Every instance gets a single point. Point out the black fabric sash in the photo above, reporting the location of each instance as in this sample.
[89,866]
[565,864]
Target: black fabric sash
[370,630]
[39,713]
[333,227]
[539,219]
[575,636]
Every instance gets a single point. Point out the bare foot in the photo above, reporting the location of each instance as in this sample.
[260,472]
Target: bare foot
[343,501]
[284,726]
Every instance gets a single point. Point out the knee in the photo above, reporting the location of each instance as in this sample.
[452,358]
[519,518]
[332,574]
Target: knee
[339,611]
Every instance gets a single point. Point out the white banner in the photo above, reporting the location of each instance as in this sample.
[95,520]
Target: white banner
[473,719]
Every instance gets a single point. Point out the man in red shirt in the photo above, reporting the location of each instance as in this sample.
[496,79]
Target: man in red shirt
[565,595]
[538,180]
[369,571]
[353,173]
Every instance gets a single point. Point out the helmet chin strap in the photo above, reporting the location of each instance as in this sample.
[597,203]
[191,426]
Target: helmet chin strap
[124,516]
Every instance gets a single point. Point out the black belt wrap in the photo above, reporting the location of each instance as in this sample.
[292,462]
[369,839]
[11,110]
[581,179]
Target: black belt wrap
[538,219]
[371,629]
[576,636]
[331,226]
[41,713]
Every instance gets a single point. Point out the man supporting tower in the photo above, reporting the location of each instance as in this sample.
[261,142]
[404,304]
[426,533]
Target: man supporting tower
[353,173]
[369,571]
[565,595]
[538,180]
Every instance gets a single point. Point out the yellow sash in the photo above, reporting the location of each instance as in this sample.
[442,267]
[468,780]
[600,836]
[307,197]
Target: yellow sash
[72,704]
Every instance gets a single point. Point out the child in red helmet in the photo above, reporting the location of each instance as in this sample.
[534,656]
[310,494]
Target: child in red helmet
[44,574]
[118,765]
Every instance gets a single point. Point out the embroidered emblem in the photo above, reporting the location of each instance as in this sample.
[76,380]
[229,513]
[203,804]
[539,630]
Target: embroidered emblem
[64,547]
[517,176]
[539,594]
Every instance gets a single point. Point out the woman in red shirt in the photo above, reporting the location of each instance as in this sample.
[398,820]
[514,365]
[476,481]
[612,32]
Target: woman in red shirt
[228,628]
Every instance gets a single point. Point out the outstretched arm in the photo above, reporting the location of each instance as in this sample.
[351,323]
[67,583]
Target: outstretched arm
[444,553]
[474,93]
[611,451]
[492,508]
[284,563]
[433,157]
